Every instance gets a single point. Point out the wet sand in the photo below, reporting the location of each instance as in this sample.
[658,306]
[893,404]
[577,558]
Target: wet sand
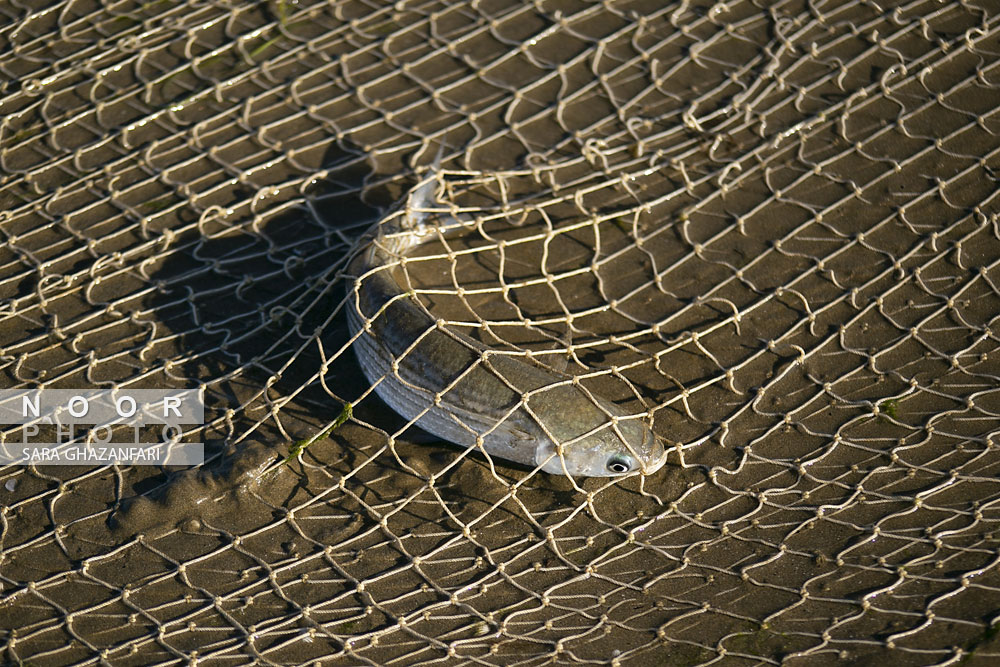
[759,226]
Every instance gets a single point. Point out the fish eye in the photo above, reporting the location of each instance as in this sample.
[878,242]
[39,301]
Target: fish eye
[619,464]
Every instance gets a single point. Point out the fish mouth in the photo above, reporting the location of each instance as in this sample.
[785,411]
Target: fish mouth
[651,466]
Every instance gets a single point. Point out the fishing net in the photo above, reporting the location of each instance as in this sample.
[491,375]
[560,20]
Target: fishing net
[769,228]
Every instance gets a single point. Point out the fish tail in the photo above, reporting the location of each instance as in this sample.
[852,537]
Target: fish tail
[403,232]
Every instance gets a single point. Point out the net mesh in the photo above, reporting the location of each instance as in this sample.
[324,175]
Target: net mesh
[770,227]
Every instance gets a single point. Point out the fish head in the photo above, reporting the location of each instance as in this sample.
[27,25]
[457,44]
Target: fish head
[615,449]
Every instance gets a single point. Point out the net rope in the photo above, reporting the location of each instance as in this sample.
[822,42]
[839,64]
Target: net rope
[770,229]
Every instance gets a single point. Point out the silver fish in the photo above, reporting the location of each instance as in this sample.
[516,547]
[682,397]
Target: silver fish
[466,393]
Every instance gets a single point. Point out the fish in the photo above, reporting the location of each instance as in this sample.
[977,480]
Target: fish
[464,392]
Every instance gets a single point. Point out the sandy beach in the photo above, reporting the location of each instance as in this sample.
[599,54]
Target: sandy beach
[771,231]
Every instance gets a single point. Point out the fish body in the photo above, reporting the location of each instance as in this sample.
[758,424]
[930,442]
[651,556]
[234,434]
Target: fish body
[466,393]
